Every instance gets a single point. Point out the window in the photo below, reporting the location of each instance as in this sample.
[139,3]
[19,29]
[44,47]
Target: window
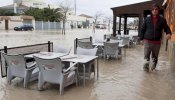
[35,4]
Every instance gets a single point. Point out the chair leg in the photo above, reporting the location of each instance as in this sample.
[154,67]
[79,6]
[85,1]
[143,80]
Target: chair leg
[40,85]
[76,79]
[27,78]
[61,88]
[9,79]
[40,82]
[9,76]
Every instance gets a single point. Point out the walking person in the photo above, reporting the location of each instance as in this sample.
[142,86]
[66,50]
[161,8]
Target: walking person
[151,34]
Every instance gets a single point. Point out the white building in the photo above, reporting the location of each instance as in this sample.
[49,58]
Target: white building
[9,22]
[19,6]
[31,3]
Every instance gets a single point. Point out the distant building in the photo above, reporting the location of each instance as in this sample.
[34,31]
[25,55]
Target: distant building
[31,3]
[81,21]
[9,22]
[19,6]
[16,9]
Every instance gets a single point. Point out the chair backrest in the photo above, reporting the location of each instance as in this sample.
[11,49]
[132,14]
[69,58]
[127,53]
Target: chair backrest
[52,67]
[85,44]
[16,63]
[107,36]
[62,49]
[83,51]
[114,38]
[111,48]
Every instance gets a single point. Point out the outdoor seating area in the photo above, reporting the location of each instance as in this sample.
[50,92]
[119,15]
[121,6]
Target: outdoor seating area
[49,64]
[113,78]
[118,43]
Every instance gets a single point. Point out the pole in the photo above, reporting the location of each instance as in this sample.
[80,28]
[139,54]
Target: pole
[75,6]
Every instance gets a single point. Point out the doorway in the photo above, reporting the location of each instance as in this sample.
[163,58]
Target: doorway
[6,25]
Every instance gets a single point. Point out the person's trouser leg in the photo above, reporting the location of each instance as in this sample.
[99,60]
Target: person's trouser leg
[155,54]
[147,52]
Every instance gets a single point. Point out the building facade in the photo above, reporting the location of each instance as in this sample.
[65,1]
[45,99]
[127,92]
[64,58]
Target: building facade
[31,3]
[19,6]
[9,22]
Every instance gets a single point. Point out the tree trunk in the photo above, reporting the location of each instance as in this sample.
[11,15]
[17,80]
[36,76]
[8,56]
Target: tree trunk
[63,29]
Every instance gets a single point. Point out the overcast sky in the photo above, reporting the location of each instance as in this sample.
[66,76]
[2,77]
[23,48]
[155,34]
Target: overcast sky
[89,7]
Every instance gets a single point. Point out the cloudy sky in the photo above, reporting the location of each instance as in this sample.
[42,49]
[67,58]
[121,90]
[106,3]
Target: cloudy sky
[89,7]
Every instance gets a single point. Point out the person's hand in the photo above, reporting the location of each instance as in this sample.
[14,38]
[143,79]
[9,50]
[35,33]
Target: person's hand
[168,36]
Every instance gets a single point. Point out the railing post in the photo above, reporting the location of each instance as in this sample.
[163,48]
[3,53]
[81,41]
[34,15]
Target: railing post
[5,49]
[91,38]
[48,46]
[105,36]
[75,45]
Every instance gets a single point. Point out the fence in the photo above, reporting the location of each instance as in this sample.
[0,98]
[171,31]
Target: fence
[41,25]
[23,50]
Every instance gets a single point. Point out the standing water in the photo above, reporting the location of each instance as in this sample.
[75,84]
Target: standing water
[119,79]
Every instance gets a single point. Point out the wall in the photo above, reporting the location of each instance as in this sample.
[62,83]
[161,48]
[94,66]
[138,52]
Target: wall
[2,24]
[13,24]
[170,17]
[14,21]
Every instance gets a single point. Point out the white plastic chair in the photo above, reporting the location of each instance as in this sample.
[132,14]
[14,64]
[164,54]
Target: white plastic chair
[90,66]
[126,41]
[84,44]
[62,49]
[17,67]
[111,49]
[51,70]
[114,37]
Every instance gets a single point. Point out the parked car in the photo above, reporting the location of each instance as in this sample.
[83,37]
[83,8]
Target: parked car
[24,27]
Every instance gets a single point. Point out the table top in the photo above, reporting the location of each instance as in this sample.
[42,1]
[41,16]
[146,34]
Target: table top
[78,58]
[46,55]
[111,41]
[63,56]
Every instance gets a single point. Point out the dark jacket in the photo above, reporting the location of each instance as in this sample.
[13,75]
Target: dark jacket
[148,32]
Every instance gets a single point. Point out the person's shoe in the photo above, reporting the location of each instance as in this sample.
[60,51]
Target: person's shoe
[153,67]
[146,67]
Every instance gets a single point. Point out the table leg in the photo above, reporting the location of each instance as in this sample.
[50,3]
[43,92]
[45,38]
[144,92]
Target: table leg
[124,51]
[97,69]
[84,75]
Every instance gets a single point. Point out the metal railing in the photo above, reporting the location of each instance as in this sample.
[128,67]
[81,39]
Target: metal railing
[29,49]
[83,40]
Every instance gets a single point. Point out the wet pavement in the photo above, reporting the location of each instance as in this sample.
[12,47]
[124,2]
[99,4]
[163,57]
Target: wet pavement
[122,79]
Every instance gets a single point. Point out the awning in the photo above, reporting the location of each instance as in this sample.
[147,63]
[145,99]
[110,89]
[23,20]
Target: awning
[164,2]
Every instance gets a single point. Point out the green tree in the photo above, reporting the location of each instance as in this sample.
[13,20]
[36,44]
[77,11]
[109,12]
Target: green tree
[4,12]
[45,14]
[35,12]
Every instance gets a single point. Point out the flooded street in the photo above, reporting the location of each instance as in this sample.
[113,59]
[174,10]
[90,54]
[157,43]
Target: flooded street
[122,79]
